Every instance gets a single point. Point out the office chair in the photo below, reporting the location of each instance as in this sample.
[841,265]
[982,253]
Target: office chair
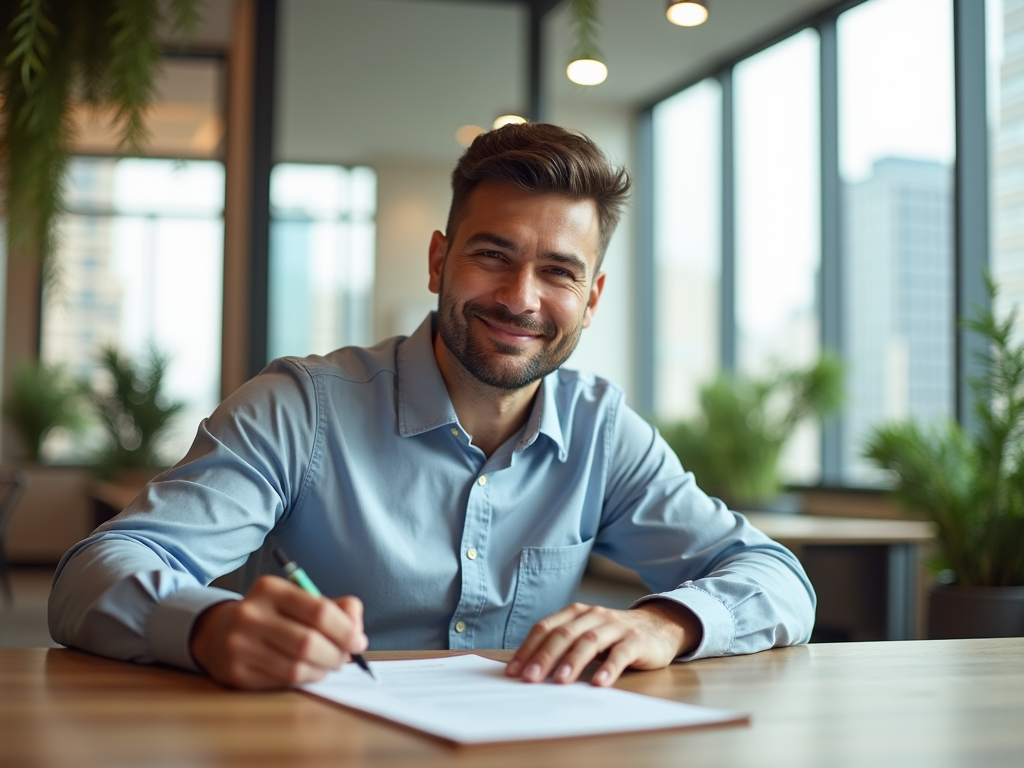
[11,488]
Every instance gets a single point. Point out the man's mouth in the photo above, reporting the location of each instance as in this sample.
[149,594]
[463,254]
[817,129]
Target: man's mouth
[509,328]
[508,333]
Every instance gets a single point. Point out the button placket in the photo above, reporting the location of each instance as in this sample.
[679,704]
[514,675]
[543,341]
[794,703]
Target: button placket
[474,577]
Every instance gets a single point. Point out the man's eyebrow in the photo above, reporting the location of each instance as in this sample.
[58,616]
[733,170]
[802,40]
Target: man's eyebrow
[490,238]
[568,258]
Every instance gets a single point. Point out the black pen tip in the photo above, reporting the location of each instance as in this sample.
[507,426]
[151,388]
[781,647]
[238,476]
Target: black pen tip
[281,557]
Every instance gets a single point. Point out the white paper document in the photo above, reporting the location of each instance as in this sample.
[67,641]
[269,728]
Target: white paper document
[469,700]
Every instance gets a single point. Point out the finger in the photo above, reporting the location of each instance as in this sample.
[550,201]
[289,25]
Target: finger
[549,655]
[262,617]
[247,663]
[302,644]
[353,608]
[588,646]
[265,661]
[321,614]
[539,633]
[620,656]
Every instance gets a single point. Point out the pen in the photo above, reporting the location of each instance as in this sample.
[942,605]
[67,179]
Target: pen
[298,576]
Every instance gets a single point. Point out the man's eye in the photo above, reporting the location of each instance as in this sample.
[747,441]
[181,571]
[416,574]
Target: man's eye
[493,254]
[559,272]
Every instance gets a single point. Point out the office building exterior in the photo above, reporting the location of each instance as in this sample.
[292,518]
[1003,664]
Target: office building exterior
[899,301]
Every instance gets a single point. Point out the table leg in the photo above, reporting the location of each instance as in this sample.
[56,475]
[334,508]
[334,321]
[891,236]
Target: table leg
[901,586]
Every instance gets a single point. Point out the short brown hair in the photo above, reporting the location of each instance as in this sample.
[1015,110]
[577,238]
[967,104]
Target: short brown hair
[542,158]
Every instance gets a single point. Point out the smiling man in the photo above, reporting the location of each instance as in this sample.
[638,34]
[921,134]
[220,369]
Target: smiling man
[444,489]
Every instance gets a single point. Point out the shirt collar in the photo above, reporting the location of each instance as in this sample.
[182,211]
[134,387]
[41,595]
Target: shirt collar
[423,402]
[544,418]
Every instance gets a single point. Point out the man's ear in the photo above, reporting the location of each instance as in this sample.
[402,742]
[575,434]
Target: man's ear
[595,296]
[438,249]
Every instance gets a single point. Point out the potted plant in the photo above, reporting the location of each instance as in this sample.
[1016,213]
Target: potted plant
[44,397]
[971,484]
[733,445]
[136,412]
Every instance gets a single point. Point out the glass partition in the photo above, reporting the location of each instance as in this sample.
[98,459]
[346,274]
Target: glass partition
[321,258]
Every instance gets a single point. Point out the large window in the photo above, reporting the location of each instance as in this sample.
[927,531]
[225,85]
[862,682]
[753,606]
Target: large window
[1006,129]
[896,161]
[139,263]
[778,183]
[140,266]
[687,234]
[882,291]
[321,258]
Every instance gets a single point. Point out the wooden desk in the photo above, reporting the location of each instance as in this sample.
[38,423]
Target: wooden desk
[887,550]
[937,703]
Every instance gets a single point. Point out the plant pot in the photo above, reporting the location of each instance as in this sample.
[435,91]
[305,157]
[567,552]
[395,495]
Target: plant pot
[959,612]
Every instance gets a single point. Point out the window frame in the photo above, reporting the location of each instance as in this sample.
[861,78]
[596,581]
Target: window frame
[970,224]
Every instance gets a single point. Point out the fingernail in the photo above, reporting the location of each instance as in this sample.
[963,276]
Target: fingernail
[563,672]
[532,671]
[514,666]
[601,676]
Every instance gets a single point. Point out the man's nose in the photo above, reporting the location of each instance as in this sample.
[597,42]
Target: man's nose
[519,292]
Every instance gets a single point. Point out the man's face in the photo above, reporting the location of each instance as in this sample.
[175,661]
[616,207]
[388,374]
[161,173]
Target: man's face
[516,282]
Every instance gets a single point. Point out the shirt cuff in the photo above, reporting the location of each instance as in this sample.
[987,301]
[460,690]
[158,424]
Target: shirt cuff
[717,623]
[170,626]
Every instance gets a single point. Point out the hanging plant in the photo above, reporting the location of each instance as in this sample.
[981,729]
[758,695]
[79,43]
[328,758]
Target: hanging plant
[583,14]
[585,66]
[54,54]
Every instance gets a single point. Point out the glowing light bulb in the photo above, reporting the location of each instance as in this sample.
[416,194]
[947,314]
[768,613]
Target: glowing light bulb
[587,72]
[687,14]
[508,120]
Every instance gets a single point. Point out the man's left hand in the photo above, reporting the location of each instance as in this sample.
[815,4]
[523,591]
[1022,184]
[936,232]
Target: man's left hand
[647,637]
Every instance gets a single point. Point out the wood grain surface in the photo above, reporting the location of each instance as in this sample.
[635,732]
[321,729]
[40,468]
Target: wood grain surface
[924,703]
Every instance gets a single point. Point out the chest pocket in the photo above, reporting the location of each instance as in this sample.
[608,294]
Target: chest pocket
[546,582]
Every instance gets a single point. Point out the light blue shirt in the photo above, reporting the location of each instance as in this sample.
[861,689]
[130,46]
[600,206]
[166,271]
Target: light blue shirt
[357,466]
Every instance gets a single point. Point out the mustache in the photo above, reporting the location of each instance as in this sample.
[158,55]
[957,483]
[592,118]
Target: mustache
[502,316]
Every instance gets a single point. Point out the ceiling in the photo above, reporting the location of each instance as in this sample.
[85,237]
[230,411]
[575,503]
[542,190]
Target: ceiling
[391,80]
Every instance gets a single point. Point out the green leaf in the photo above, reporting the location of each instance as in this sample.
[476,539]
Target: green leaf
[971,485]
[134,408]
[104,50]
[733,446]
[42,398]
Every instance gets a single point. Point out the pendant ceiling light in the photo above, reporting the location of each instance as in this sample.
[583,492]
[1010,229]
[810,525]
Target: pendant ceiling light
[586,67]
[509,119]
[687,13]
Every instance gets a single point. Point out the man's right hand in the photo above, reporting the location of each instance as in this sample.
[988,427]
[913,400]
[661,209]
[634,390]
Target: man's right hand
[278,635]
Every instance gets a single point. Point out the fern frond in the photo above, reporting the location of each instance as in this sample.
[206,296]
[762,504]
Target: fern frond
[585,21]
[31,27]
[135,53]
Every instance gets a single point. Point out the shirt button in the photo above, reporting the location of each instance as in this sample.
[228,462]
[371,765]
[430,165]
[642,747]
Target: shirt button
[471,553]
[460,626]
[482,480]
[455,432]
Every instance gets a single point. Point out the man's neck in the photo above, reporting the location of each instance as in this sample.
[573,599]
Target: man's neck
[488,414]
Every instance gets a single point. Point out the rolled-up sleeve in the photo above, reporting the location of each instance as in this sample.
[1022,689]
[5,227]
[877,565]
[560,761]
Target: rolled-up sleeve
[748,591]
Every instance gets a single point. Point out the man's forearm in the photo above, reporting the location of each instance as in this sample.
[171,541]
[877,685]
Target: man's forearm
[117,598]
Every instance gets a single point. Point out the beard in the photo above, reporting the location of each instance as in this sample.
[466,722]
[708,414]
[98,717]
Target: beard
[502,366]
